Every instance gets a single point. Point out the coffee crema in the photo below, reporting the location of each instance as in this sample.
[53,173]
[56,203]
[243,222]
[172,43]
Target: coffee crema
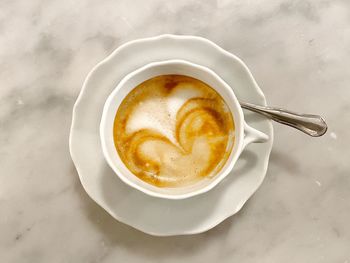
[173,130]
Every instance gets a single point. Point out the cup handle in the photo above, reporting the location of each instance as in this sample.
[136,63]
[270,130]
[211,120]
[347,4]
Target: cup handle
[253,135]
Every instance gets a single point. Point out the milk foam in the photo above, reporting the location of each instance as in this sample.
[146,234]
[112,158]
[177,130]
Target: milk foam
[173,130]
[159,113]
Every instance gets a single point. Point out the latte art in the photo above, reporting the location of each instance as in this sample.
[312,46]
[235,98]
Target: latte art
[173,130]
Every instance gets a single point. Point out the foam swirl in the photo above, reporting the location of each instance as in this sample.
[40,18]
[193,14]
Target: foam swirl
[173,130]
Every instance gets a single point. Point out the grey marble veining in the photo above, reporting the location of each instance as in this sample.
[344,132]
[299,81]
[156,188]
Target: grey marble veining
[299,52]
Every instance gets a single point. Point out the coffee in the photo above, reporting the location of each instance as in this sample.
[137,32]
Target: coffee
[173,130]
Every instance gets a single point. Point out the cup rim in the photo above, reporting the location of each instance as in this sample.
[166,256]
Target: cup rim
[232,104]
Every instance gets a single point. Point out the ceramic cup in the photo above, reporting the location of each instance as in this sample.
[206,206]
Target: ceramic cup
[244,134]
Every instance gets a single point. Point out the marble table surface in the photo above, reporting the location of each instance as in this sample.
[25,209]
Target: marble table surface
[299,52]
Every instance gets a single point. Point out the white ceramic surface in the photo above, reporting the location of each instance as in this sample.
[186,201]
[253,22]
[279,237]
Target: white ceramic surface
[149,214]
[244,134]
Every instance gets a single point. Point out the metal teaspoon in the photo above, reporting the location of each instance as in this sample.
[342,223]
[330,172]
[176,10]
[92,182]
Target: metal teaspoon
[313,125]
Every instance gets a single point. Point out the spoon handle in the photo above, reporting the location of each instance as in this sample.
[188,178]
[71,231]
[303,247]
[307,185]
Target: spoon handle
[313,125]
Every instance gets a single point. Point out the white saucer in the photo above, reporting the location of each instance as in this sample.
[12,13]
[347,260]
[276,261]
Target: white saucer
[152,215]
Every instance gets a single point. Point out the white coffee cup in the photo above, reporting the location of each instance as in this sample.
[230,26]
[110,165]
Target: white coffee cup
[244,134]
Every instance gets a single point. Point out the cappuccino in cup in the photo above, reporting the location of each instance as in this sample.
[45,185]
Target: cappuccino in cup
[173,131]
